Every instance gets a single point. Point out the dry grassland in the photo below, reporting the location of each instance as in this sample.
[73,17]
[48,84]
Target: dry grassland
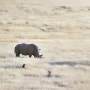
[61,28]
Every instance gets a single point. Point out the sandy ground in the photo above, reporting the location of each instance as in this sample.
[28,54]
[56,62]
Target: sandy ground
[61,29]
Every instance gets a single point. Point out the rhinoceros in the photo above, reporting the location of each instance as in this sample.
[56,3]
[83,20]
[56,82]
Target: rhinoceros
[27,49]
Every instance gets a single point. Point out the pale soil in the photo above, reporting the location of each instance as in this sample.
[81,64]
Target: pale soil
[61,29]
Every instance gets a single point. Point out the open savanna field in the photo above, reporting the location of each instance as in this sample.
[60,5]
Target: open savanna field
[61,29]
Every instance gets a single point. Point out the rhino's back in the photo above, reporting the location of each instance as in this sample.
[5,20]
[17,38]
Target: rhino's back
[27,49]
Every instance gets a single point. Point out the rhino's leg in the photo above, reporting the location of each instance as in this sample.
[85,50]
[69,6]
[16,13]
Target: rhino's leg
[30,55]
[17,54]
[36,56]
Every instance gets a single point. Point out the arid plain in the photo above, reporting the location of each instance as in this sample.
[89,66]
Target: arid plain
[61,29]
